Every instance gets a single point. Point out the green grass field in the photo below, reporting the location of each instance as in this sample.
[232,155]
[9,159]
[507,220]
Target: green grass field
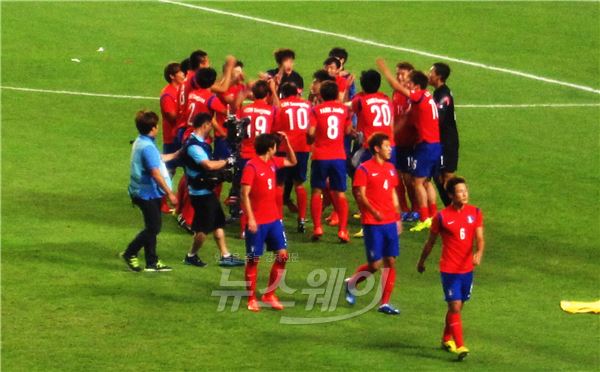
[68,302]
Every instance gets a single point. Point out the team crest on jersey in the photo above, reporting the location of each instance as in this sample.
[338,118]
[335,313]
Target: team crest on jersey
[470,219]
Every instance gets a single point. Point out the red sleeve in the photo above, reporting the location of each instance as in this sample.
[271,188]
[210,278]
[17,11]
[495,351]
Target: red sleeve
[479,218]
[348,120]
[415,96]
[313,116]
[395,180]
[168,103]
[360,177]
[248,175]
[278,162]
[215,104]
[356,104]
[435,224]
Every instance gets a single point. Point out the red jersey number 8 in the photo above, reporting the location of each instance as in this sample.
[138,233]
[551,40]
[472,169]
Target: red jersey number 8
[333,127]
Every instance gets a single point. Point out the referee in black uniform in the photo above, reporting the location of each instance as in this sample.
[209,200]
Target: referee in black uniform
[438,75]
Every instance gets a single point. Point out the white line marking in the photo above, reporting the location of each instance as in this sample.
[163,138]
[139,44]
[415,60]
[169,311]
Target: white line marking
[123,96]
[387,46]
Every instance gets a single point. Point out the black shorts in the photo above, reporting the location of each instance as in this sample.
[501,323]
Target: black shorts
[449,157]
[208,213]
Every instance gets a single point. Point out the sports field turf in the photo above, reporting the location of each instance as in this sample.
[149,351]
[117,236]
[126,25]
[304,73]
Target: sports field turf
[68,303]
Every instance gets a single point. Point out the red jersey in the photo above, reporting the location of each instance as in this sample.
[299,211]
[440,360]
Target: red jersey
[168,104]
[261,116]
[260,176]
[182,93]
[375,114]
[342,83]
[202,101]
[427,116]
[332,119]
[294,118]
[232,92]
[380,181]
[457,229]
[407,136]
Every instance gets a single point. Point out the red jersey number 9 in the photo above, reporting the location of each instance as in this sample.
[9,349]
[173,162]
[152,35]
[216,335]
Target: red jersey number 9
[260,126]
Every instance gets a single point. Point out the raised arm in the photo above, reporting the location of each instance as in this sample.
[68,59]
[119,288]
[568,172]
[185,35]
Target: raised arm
[395,84]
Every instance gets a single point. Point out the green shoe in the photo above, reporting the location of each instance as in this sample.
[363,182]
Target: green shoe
[158,266]
[131,262]
[422,225]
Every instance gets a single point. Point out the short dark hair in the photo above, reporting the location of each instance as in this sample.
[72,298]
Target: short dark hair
[370,81]
[322,75]
[442,70]
[405,66]
[376,140]
[288,89]
[197,58]
[185,65]
[201,119]
[282,54]
[329,91]
[264,142]
[419,78]
[452,182]
[331,60]
[339,53]
[145,121]
[171,69]
[260,89]
[238,63]
[205,77]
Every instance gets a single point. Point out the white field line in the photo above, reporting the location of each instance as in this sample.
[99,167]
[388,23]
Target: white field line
[388,46]
[123,96]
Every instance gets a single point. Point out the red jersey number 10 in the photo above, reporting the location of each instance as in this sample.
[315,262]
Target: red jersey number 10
[301,118]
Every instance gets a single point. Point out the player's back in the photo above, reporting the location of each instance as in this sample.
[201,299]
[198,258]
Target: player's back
[294,118]
[427,116]
[168,104]
[375,114]
[202,101]
[331,120]
[407,135]
[261,116]
[182,97]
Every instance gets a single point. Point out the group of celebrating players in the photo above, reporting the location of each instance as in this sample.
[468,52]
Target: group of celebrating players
[394,150]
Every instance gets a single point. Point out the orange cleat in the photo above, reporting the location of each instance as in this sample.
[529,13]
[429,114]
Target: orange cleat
[344,236]
[253,305]
[317,234]
[333,219]
[272,301]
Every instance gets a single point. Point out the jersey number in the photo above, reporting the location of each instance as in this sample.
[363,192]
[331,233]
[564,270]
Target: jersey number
[386,185]
[270,183]
[434,110]
[260,125]
[383,115]
[462,233]
[191,117]
[301,118]
[333,127]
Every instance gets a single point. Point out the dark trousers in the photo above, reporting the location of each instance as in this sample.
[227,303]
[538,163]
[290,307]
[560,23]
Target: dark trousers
[147,237]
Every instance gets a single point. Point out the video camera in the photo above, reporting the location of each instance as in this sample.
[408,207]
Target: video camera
[237,130]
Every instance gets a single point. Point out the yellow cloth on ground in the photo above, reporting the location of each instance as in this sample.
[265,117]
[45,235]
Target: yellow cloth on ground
[575,307]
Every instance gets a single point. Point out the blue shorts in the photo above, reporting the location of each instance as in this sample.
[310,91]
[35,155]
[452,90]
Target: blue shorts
[404,159]
[169,148]
[366,155]
[381,241]
[271,234]
[221,150]
[426,160]
[335,170]
[297,173]
[457,287]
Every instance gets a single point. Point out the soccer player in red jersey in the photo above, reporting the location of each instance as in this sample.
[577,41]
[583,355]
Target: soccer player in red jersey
[428,152]
[264,222]
[168,108]
[332,122]
[294,118]
[333,67]
[374,189]
[459,225]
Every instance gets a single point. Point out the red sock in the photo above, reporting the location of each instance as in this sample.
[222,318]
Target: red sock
[316,205]
[342,209]
[424,213]
[250,276]
[359,275]
[432,209]
[401,191]
[455,324]
[302,201]
[447,331]
[279,200]
[389,279]
[217,190]
[277,271]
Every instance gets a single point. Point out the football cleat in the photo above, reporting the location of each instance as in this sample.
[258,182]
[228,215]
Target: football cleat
[317,234]
[231,261]
[272,301]
[253,305]
[301,226]
[350,298]
[131,262]
[344,236]
[194,261]
[421,225]
[412,217]
[359,234]
[356,216]
[333,219]
[158,267]
[449,346]
[388,309]
[462,352]
[405,216]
